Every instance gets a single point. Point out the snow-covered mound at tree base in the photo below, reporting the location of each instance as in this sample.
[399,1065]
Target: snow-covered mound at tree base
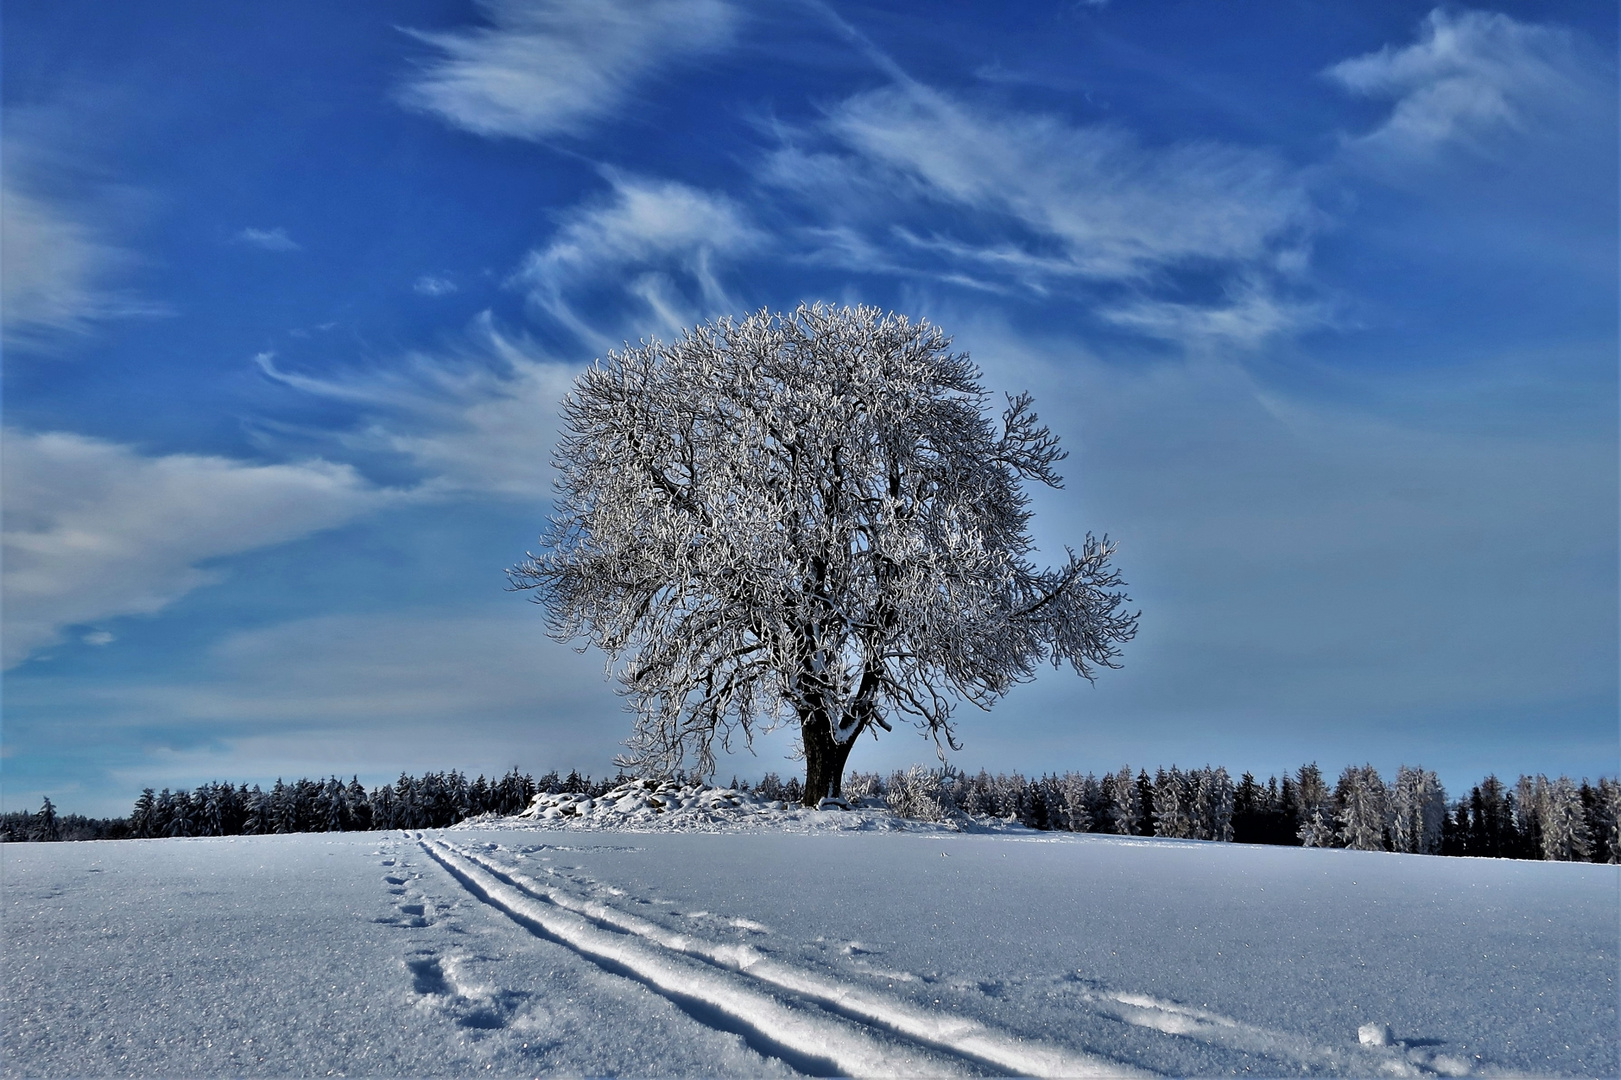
[670,806]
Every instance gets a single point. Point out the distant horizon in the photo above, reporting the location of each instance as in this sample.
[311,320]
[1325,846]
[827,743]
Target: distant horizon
[1321,300]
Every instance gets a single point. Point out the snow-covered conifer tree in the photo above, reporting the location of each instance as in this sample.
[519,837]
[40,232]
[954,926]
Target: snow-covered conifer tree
[1362,809]
[1605,826]
[1172,798]
[809,518]
[1125,808]
[1076,796]
[256,813]
[1314,812]
[141,823]
[1214,797]
[1564,824]
[1418,806]
[45,825]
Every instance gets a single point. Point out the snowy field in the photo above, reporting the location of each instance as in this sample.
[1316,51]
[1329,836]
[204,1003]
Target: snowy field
[828,944]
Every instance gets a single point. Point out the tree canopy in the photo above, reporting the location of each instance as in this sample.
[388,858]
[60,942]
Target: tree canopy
[809,517]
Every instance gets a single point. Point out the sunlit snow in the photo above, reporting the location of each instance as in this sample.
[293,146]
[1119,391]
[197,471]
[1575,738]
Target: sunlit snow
[717,935]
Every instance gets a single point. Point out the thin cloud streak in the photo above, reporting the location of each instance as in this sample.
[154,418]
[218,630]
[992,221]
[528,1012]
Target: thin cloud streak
[479,417]
[268,239]
[547,68]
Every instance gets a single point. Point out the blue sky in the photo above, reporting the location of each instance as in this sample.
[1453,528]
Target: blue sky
[1322,299]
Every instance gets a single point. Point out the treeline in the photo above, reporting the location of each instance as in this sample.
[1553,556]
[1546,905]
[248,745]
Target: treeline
[430,801]
[46,824]
[1537,818]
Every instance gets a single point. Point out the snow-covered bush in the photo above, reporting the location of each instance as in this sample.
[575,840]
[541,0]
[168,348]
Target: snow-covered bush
[920,794]
[858,786]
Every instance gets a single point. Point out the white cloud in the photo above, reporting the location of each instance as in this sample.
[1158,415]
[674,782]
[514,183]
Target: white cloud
[1119,210]
[269,239]
[99,637]
[481,417]
[909,171]
[53,280]
[1469,78]
[644,226]
[545,67]
[433,285]
[95,530]
[1250,313]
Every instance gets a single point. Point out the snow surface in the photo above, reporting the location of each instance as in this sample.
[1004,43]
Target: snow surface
[787,942]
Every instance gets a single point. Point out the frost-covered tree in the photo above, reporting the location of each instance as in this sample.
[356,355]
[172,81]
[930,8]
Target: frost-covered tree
[1123,802]
[1213,804]
[1078,798]
[1604,818]
[1564,825]
[809,518]
[1173,796]
[1418,806]
[143,818]
[1361,809]
[1313,809]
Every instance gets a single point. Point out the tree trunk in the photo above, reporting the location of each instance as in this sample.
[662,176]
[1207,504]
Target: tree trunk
[824,760]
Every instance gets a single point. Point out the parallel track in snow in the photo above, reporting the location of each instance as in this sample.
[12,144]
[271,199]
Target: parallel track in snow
[820,1024]
[814,1023]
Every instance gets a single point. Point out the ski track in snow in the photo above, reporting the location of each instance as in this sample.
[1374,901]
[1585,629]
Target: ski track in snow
[821,1024]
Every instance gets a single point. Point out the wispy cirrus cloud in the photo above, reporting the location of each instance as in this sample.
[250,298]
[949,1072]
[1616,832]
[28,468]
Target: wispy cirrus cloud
[58,276]
[479,416]
[433,285]
[546,67]
[1470,78]
[268,239]
[96,529]
[658,240]
[993,196]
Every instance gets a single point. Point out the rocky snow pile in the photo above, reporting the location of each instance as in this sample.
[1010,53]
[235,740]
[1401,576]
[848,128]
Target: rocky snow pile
[672,806]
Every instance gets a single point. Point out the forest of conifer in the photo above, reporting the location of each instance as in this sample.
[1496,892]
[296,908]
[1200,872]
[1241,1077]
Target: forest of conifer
[1535,818]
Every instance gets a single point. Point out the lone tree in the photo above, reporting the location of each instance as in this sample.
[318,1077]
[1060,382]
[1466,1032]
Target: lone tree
[808,517]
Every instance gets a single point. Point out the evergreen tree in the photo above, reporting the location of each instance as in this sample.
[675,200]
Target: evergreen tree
[1249,817]
[359,805]
[1491,824]
[1120,806]
[1213,804]
[1312,808]
[1603,806]
[141,817]
[1418,808]
[180,818]
[256,812]
[1145,804]
[45,823]
[283,814]
[1564,825]
[1361,809]
[1529,802]
[1172,796]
